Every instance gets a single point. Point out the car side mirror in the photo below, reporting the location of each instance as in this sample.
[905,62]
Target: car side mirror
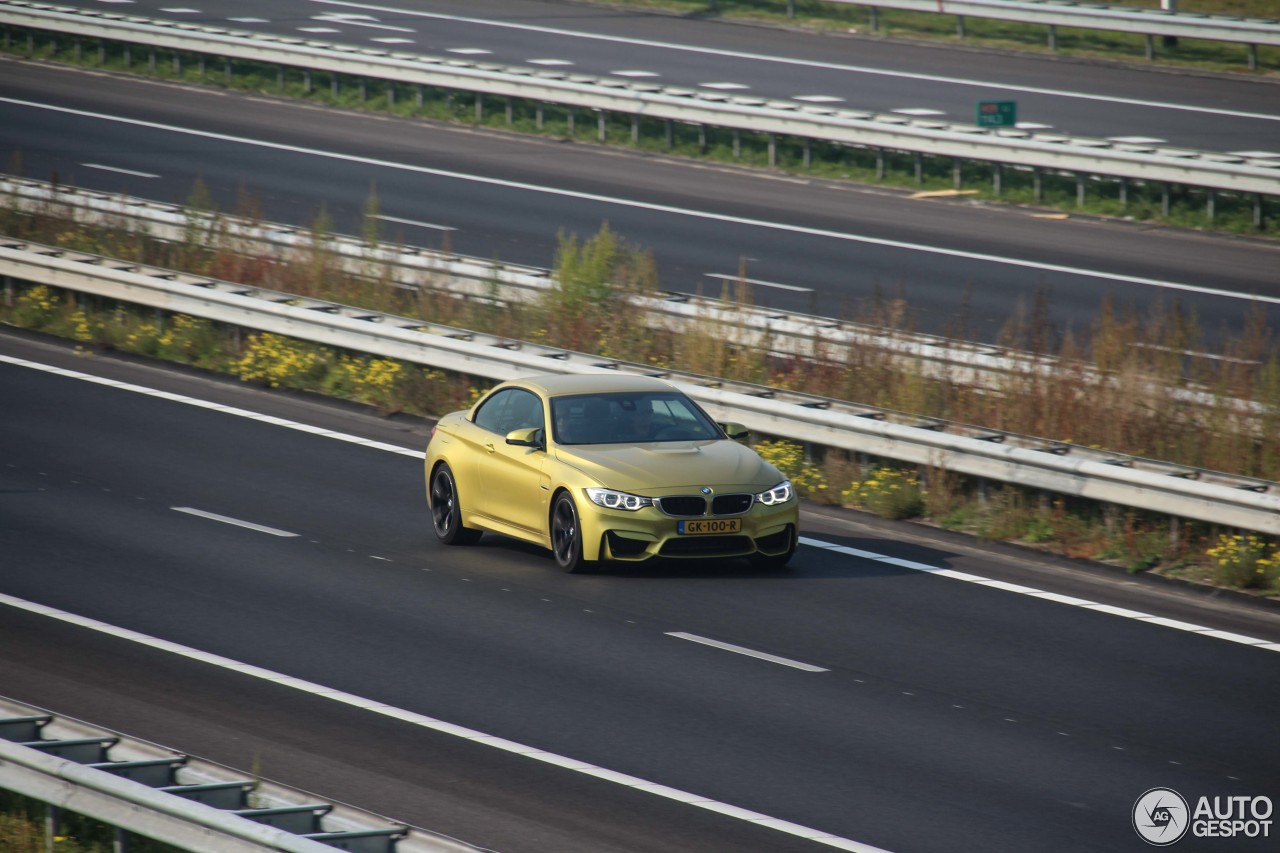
[736,431]
[525,438]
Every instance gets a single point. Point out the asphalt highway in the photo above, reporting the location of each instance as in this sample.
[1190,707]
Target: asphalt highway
[1196,109]
[1026,708]
[816,246]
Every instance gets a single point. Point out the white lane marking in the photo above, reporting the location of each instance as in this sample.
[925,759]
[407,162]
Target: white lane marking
[1070,601]
[392,40]
[1137,140]
[118,170]
[630,73]
[918,111]
[422,721]
[549,62]
[415,222]
[724,86]
[351,21]
[216,407]
[250,20]
[757,281]
[742,650]
[659,208]
[226,519]
[318,30]
[807,63]
[181,11]
[469,51]
[818,99]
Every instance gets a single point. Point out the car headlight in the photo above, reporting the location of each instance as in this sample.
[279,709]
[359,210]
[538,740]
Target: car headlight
[609,499]
[779,494]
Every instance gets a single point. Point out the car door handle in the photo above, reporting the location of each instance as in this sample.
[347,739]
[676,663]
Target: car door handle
[489,447]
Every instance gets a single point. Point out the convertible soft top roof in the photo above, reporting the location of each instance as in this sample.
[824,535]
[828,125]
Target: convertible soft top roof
[556,385]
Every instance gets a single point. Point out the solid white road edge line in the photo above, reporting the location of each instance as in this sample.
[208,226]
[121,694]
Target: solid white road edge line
[226,519]
[423,721]
[1036,593]
[742,650]
[804,540]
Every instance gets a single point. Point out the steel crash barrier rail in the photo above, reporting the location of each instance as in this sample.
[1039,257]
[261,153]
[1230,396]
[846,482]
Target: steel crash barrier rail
[1165,23]
[1174,490]
[1243,173]
[154,792]
[781,334]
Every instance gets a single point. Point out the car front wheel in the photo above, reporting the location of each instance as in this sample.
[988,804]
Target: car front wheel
[446,512]
[566,536]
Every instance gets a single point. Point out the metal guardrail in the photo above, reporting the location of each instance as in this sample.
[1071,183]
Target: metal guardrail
[1095,16]
[1080,156]
[195,805]
[1067,469]
[781,334]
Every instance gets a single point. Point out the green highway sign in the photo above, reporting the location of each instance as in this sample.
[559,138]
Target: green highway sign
[997,113]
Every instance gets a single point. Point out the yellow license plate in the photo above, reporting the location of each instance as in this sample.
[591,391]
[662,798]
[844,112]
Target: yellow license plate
[711,525]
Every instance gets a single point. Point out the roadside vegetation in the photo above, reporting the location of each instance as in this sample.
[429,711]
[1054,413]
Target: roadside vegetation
[23,830]
[977,181]
[1112,386]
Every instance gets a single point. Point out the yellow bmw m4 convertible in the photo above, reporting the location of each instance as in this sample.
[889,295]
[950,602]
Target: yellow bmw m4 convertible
[610,467]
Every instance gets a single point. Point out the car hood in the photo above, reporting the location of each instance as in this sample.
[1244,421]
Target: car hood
[657,468]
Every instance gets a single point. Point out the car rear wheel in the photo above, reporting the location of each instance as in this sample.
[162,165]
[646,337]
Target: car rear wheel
[566,536]
[446,512]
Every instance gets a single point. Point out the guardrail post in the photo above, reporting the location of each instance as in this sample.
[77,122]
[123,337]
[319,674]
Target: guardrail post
[128,54]
[808,152]
[875,19]
[1080,178]
[737,143]
[479,108]
[102,50]
[417,95]
[306,82]
[773,150]
[226,70]
[1151,47]
[1053,37]
[572,120]
[880,165]
[1257,211]
[52,819]
[670,130]
[177,64]
[280,77]
[202,65]
[960,26]
[79,50]
[151,60]
[391,95]
[333,85]
[956,176]
[1164,200]
[7,38]
[997,178]
[364,90]
[602,125]
[702,138]
[919,158]
[538,113]
[1211,205]
[635,129]
[1124,194]
[1253,57]
[511,111]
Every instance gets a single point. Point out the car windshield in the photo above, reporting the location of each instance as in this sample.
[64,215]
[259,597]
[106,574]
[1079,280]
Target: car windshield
[629,418]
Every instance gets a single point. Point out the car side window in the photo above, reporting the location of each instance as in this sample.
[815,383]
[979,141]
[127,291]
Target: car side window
[510,409]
